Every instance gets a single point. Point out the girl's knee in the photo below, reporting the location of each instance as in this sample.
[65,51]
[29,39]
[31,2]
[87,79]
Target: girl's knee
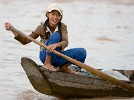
[81,54]
[56,36]
[82,51]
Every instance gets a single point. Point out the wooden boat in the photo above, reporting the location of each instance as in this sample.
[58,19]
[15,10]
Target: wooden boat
[66,85]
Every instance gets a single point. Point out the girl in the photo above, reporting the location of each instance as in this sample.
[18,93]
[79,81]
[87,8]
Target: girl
[54,34]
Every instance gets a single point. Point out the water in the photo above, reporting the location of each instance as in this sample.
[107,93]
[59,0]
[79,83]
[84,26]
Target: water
[104,28]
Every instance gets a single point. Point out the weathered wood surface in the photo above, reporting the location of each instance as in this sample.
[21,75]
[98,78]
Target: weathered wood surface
[66,85]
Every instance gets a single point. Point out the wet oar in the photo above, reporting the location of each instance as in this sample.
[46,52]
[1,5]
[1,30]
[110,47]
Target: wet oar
[82,65]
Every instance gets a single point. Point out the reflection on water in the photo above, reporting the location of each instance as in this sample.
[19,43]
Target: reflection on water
[105,26]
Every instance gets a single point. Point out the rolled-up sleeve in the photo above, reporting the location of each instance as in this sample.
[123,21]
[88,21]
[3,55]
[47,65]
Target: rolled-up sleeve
[64,32]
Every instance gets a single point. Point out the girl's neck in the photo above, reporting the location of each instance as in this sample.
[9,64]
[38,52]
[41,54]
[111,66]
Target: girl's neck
[52,28]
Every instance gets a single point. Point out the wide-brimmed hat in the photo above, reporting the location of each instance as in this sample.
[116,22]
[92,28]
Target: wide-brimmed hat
[55,6]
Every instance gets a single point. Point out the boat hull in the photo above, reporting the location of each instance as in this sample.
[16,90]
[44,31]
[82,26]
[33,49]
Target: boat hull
[66,85]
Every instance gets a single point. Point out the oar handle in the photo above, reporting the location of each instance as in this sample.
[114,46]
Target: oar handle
[82,65]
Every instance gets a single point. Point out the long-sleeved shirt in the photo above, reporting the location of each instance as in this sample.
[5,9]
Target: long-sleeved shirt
[39,31]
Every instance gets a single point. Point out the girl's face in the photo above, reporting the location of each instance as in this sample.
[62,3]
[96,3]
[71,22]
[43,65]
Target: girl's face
[54,17]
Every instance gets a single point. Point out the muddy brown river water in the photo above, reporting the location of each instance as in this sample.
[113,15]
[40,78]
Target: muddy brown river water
[105,28]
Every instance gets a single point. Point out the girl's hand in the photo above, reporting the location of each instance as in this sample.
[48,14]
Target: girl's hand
[8,26]
[51,47]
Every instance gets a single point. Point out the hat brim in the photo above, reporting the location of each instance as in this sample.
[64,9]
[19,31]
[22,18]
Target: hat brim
[56,10]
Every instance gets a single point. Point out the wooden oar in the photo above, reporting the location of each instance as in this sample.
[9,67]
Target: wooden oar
[82,65]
